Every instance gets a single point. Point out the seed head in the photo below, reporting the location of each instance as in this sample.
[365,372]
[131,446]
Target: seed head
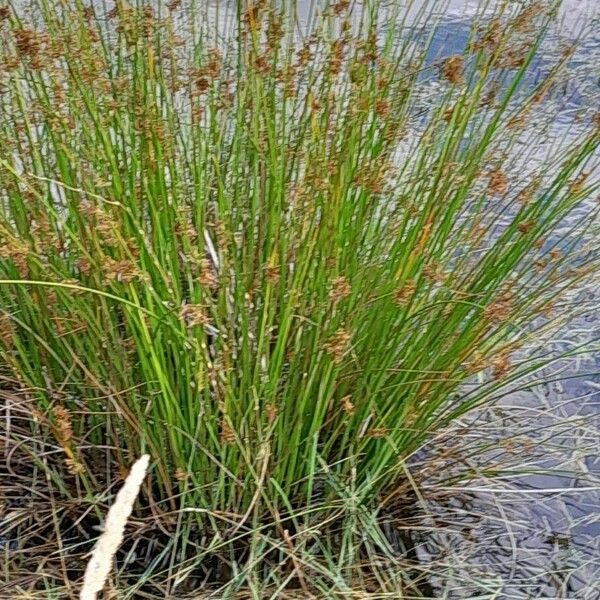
[173,5]
[227,434]
[124,271]
[27,42]
[498,182]
[74,466]
[404,294]
[452,70]
[348,406]
[526,226]
[6,331]
[64,424]
[194,315]
[337,345]
[382,109]
[208,277]
[501,365]
[555,254]
[378,432]
[501,308]
[340,288]
[476,364]
[524,21]
[576,186]
[340,6]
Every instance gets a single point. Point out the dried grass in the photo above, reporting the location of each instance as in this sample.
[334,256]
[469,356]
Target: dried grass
[99,565]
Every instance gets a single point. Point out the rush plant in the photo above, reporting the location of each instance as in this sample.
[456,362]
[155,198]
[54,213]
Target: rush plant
[270,249]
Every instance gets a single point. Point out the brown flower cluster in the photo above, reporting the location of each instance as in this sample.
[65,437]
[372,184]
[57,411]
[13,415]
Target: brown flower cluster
[18,252]
[372,177]
[382,109]
[275,32]
[226,434]
[501,308]
[347,405]
[194,315]
[498,182]
[340,7]
[452,70]
[124,271]
[28,43]
[336,57]
[208,275]
[524,22]
[340,288]
[527,194]
[63,424]
[6,331]
[476,364]
[378,432]
[501,365]
[404,294]
[337,345]
[526,226]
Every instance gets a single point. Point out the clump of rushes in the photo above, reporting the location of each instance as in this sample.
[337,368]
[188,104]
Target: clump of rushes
[262,258]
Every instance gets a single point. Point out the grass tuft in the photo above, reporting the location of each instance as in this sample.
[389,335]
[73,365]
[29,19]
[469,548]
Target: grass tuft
[270,250]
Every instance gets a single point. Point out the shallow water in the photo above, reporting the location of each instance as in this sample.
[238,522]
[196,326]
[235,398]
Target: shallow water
[539,534]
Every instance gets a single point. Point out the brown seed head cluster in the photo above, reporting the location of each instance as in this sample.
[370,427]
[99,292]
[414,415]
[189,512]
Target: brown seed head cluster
[226,434]
[194,315]
[434,272]
[83,265]
[526,226]
[208,276]
[124,271]
[304,55]
[340,7]
[181,474]
[452,70]
[526,195]
[18,252]
[378,432]
[4,13]
[501,365]
[555,254]
[252,15]
[337,345]
[173,5]
[372,177]
[576,186]
[64,424]
[501,308]
[340,288]
[28,43]
[336,57]
[382,109]
[404,294]
[476,364]
[348,406]
[490,38]
[498,182]
[274,32]
[524,22]
[203,76]
[74,466]
[6,331]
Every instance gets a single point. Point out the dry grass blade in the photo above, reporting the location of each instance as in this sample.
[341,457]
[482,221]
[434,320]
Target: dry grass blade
[100,563]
